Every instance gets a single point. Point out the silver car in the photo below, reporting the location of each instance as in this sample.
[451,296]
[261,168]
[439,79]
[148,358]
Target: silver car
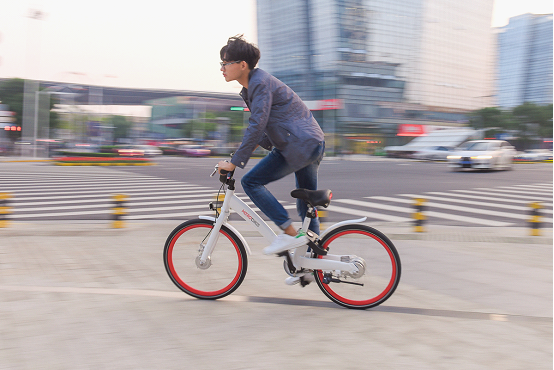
[483,154]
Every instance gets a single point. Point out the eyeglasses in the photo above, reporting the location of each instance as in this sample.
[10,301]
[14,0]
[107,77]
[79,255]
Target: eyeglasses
[223,64]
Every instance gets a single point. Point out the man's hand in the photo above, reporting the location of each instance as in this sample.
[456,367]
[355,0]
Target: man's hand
[225,165]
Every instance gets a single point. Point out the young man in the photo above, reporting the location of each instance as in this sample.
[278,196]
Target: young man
[279,122]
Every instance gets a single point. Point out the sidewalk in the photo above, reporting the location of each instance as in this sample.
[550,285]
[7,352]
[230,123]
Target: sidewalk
[84,296]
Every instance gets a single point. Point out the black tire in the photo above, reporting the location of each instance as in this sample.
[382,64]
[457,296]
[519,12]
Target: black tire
[228,262]
[382,267]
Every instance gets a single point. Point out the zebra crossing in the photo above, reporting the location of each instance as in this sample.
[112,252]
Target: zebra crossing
[85,193]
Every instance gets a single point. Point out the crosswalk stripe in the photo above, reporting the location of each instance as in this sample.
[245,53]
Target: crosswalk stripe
[177,197]
[493,192]
[472,196]
[518,191]
[130,205]
[464,201]
[178,192]
[372,215]
[119,190]
[76,183]
[59,214]
[448,216]
[533,186]
[93,184]
[465,209]
[169,215]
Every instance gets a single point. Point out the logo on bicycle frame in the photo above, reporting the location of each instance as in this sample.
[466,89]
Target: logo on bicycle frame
[251,218]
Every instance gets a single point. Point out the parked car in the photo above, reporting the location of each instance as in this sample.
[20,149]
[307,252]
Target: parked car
[483,154]
[194,150]
[138,150]
[129,151]
[534,155]
[433,153]
[149,150]
[79,148]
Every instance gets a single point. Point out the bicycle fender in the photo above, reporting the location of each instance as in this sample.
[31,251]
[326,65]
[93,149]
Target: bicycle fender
[235,231]
[342,223]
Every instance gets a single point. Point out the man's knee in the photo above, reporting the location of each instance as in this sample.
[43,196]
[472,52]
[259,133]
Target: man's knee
[246,182]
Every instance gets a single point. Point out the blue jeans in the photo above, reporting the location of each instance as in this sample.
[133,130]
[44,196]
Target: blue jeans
[274,167]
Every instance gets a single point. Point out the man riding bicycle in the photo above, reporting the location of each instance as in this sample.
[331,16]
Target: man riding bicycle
[281,123]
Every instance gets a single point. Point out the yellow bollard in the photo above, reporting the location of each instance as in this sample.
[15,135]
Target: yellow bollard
[535,220]
[418,215]
[322,215]
[118,211]
[5,210]
[219,198]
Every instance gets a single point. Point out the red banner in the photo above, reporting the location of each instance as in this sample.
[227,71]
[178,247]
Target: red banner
[411,130]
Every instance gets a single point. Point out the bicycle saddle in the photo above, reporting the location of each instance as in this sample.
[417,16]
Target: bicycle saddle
[313,197]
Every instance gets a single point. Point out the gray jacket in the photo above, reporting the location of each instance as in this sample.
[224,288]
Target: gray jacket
[278,119]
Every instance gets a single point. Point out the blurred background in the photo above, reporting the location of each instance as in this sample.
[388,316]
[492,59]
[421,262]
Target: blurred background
[376,74]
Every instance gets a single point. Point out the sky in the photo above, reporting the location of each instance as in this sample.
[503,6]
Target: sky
[163,44]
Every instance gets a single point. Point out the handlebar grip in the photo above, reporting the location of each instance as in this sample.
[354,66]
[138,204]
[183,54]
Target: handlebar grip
[226,175]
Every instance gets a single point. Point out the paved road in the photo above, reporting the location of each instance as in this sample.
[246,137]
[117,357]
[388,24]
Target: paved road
[83,296]
[177,190]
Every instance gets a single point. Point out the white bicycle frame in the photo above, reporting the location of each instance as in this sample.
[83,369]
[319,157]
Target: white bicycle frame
[326,263]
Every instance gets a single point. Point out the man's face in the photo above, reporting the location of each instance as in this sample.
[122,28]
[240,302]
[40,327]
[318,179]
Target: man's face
[232,69]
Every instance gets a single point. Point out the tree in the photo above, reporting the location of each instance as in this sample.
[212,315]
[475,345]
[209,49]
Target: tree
[122,127]
[534,119]
[207,124]
[492,117]
[11,94]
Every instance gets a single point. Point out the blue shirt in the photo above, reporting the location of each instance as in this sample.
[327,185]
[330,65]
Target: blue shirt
[279,119]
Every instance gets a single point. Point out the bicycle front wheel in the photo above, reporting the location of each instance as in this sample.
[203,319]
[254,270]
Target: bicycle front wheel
[377,259]
[220,276]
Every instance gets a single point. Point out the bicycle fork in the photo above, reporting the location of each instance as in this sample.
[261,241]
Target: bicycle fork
[203,258]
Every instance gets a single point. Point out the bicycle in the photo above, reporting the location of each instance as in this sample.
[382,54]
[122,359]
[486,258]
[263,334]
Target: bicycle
[207,257]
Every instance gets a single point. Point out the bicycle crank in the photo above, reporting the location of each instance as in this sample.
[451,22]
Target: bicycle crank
[328,278]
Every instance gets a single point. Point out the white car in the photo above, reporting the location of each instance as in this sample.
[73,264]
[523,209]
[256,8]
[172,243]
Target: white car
[433,153]
[149,150]
[139,151]
[194,150]
[483,154]
[534,155]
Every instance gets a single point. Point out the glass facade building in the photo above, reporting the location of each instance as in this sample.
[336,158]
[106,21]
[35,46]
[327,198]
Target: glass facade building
[524,71]
[388,61]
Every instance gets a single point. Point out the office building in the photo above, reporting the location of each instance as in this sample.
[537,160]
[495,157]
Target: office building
[524,72]
[425,62]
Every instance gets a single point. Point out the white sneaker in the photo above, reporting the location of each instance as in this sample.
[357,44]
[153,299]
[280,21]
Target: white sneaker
[284,242]
[304,279]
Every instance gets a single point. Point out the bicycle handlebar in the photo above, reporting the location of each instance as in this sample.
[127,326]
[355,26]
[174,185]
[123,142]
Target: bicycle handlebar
[224,176]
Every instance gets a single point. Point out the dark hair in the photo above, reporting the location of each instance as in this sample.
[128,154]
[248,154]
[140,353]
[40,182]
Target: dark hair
[238,48]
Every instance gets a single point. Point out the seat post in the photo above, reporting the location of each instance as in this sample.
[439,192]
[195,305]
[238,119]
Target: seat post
[311,212]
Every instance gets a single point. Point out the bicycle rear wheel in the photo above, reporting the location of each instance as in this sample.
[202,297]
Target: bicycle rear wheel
[223,273]
[381,267]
